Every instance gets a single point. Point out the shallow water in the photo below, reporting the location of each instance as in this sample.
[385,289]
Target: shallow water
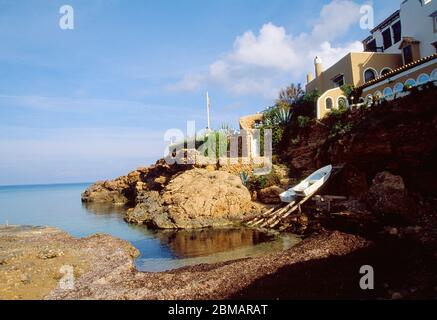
[60,206]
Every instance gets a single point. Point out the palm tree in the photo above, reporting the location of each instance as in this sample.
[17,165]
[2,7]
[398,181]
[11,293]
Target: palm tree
[291,95]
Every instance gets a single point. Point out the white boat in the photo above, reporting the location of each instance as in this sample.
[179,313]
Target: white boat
[308,186]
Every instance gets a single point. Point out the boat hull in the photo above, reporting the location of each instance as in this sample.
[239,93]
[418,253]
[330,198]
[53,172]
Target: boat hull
[308,186]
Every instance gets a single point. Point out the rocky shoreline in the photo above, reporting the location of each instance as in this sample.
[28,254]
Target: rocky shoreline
[323,266]
[104,267]
[388,221]
[166,196]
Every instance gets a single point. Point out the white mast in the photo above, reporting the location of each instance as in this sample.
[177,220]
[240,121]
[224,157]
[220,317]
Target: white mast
[208,107]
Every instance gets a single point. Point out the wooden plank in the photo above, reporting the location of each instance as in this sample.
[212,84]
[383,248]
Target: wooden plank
[268,214]
[276,216]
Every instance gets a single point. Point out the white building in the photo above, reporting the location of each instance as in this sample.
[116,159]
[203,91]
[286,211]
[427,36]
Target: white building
[411,31]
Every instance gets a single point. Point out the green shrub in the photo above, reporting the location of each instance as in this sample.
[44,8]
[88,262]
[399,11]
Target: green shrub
[257,183]
[311,96]
[303,121]
[347,89]
[340,128]
[338,112]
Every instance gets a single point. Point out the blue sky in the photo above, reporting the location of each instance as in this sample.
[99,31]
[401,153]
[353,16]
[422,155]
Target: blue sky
[94,102]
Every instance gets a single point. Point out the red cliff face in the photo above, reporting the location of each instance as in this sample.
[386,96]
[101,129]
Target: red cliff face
[399,137]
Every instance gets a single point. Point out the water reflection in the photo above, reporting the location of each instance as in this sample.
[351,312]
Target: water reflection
[205,254]
[195,243]
[170,249]
[103,208]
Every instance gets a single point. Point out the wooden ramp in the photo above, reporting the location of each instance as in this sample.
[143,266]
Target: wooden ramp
[274,216]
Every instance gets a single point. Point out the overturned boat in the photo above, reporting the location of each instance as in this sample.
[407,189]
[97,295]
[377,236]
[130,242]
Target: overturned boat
[309,186]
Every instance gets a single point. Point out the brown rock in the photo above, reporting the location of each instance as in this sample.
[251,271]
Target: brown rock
[270,195]
[196,199]
[148,208]
[388,195]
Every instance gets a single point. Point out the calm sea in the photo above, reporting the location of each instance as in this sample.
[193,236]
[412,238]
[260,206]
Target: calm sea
[60,206]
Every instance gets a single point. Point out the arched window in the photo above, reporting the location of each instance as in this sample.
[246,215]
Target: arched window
[388,93]
[328,103]
[434,75]
[342,102]
[369,75]
[410,83]
[399,87]
[422,79]
[385,71]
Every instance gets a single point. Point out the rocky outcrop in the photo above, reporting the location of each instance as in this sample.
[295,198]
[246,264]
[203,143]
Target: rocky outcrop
[197,198]
[270,195]
[125,189]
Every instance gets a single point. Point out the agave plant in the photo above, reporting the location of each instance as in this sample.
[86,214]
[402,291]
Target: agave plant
[244,176]
[283,115]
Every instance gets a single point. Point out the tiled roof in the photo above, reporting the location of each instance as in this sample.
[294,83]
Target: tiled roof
[407,41]
[399,70]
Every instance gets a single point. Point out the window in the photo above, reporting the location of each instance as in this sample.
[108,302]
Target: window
[369,75]
[329,103]
[338,80]
[422,79]
[386,35]
[371,46]
[342,102]
[410,83]
[385,71]
[388,93]
[399,87]
[408,54]
[397,32]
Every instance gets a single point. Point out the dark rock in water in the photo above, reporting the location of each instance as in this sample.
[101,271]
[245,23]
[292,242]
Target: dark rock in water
[388,196]
[148,209]
[270,195]
[101,193]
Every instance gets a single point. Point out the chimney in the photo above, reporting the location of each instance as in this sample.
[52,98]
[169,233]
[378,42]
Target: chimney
[319,69]
[319,66]
[310,77]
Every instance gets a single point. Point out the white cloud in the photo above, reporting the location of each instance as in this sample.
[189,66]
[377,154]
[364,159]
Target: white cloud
[335,19]
[264,62]
[272,48]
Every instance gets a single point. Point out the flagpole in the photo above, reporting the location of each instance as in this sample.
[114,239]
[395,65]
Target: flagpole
[208,107]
